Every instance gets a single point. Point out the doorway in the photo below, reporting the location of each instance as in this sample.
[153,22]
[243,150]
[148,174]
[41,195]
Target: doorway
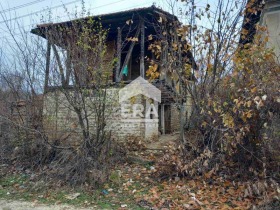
[165,119]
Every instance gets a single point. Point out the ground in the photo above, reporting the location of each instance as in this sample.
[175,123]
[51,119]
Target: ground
[134,185]
[23,205]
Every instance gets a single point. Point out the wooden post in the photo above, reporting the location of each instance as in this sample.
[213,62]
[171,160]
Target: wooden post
[163,56]
[162,119]
[47,73]
[59,65]
[182,121]
[119,55]
[142,55]
[129,52]
[68,68]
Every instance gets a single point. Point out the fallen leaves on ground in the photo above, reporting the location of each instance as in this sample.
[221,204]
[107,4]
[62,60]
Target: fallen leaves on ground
[137,185]
[196,193]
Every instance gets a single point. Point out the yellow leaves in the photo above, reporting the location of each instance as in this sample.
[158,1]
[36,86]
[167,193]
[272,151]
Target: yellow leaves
[187,47]
[175,46]
[155,48]
[217,107]
[238,102]
[188,69]
[209,67]
[132,39]
[207,36]
[268,57]
[217,110]
[248,104]
[228,120]
[150,37]
[244,32]
[152,72]
[254,90]
[158,47]
[248,114]
[182,31]
[266,39]
[204,124]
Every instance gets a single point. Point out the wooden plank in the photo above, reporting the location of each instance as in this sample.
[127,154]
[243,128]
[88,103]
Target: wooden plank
[128,55]
[119,55]
[47,73]
[59,65]
[142,54]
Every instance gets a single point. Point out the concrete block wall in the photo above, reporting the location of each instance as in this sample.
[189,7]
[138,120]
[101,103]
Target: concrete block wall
[61,122]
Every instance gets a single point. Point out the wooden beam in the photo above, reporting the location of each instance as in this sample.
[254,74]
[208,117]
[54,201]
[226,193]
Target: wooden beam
[47,73]
[119,55]
[162,119]
[68,67]
[128,55]
[142,55]
[59,65]
[163,56]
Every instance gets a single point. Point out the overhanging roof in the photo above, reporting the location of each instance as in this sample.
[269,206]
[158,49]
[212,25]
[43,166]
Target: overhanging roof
[111,20]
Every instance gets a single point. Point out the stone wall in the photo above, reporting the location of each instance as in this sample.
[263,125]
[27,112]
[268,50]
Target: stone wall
[61,122]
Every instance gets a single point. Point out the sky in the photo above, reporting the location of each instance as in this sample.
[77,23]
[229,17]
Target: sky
[28,13]
[23,15]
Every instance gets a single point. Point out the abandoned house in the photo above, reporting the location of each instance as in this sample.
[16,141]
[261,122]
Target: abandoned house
[128,38]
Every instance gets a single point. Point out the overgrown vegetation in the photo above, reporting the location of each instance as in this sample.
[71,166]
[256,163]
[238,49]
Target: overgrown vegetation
[229,144]
[232,131]
[77,75]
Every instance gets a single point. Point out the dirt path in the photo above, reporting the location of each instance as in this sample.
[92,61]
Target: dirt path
[163,141]
[159,147]
[23,205]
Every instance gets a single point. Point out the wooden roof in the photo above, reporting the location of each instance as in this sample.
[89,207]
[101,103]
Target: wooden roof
[110,21]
